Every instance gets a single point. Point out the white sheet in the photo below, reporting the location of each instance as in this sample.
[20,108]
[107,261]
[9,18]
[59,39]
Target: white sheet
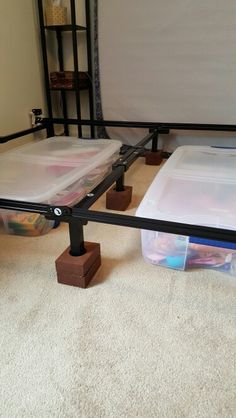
[168,61]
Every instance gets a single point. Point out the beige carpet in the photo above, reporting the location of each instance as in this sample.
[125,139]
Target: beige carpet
[141,341]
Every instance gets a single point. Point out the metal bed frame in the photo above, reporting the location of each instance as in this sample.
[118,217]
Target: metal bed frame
[80,214]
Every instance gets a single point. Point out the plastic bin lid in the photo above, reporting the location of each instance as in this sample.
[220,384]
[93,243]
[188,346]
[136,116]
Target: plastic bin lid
[197,185]
[67,149]
[36,172]
[203,160]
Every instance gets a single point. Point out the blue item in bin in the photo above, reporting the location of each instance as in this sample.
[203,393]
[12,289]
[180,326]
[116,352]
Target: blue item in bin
[212,243]
[175,262]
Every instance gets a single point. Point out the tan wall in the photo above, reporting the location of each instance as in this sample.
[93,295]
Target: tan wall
[21,83]
[21,73]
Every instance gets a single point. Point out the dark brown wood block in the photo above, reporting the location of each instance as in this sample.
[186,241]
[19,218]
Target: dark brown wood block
[72,279]
[78,271]
[119,200]
[154,158]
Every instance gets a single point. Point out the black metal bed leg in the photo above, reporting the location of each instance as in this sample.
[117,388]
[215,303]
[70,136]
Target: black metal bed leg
[155,143]
[119,198]
[77,265]
[120,184]
[155,156]
[76,233]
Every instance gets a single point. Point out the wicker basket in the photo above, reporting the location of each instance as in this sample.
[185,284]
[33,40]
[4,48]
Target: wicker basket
[56,15]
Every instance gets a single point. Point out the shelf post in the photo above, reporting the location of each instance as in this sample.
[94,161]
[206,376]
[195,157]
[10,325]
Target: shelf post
[63,93]
[76,64]
[90,69]
[45,63]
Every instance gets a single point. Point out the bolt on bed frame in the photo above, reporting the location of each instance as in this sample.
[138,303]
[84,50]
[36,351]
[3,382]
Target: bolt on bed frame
[80,261]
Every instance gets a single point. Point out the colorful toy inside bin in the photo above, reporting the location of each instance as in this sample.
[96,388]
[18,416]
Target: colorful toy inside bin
[181,252]
[27,224]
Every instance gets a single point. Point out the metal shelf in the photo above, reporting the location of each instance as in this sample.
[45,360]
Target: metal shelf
[65,27]
[59,30]
[67,88]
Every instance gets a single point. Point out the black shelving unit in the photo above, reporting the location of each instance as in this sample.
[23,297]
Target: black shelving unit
[74,29]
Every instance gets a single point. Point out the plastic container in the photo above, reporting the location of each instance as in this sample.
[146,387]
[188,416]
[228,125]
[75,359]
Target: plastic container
[26,224]
[196,186]
[58,170]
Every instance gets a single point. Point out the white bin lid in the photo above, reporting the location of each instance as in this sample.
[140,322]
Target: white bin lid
[197,185]
[203,161]
[36,172]
[67,149]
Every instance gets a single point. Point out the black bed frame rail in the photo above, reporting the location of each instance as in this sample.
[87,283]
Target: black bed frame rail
[148,125]
[43,124]
[79,215]
[66,214]
[6,138]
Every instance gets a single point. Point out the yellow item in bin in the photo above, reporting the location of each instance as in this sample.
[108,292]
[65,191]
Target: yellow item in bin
[28,224]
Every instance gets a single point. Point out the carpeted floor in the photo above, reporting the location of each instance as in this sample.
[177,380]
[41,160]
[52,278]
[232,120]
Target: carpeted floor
[141,341]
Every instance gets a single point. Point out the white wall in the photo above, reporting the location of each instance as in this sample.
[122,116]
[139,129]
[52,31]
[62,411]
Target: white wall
[21,83]
[168,61]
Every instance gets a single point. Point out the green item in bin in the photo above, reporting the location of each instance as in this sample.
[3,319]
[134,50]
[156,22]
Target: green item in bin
[28,224]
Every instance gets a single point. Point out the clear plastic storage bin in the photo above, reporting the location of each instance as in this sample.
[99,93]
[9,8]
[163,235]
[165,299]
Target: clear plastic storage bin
[58,171]
[197,185]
